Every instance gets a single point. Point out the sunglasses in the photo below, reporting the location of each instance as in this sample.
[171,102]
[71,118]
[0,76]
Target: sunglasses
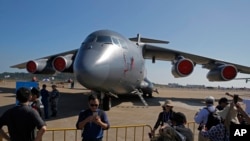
[94,105]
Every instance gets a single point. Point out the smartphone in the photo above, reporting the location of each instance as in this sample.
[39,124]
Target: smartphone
[95,113]
[236,97]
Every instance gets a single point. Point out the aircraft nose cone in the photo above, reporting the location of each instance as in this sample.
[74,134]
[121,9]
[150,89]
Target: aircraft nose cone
[89,72]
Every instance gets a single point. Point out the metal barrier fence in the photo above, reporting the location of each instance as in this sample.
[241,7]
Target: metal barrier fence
[115,133]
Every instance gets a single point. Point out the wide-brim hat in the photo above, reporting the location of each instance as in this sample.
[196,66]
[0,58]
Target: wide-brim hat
[168,103]
[228,112]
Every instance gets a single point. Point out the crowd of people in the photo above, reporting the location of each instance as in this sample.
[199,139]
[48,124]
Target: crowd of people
[27,116]
[42,99]
[29,113]
[22,120]
[214,120]
[172,125]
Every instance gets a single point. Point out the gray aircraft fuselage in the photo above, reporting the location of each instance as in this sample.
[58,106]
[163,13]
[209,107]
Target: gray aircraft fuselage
[109,62]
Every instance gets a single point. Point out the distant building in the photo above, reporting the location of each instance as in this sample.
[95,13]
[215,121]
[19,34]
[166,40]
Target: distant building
[195,86]
[174,85]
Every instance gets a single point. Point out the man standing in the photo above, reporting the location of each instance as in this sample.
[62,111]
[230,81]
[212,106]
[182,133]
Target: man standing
[54,97]
[92,121]
[222,103]
[45,100]
[21,120]
[179,120]
[202,116]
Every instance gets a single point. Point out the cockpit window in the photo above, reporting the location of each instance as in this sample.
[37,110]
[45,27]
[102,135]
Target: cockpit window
[104,39]
[89,39]
[123,43]
[116,42]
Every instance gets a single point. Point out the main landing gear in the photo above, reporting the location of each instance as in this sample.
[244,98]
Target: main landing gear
[105,100]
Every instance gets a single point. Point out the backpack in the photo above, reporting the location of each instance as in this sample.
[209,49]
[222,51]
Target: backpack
[213,119]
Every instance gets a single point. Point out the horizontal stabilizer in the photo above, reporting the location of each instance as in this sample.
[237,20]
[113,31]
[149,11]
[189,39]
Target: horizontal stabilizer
[148,40]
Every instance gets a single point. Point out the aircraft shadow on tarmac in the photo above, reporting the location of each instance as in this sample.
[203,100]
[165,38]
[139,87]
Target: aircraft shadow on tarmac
[154,101]
[70,104]
[12,95]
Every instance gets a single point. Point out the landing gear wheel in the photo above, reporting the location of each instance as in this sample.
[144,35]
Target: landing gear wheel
[150,95]
[147,95]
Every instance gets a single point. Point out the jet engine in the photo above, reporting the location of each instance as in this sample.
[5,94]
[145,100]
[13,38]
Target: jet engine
[39,66]
[224,72]
[63,63]
[182,67]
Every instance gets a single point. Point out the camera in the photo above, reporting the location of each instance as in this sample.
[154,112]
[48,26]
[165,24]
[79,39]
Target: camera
[236,97]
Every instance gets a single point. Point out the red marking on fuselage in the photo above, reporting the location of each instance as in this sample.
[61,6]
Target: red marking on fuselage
[132,64]
[125,64]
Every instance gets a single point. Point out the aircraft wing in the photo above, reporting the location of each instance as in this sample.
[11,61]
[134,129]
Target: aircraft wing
[51,57]
[159,53]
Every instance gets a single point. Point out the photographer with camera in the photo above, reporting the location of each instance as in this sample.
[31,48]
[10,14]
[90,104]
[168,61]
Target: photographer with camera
[228,116]
[243,115]
[239,99]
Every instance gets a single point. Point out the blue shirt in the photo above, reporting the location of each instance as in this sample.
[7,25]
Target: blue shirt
[202,115]
[45,95]
[91,130]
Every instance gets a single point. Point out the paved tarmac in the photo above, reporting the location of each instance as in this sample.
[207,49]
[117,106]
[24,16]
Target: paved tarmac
[126,110]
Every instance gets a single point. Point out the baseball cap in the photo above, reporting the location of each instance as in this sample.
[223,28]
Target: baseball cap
[209,100]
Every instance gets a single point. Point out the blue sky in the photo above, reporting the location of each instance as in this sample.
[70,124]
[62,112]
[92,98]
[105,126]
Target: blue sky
[32,29]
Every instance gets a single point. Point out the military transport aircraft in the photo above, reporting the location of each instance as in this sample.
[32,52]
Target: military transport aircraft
[110,64]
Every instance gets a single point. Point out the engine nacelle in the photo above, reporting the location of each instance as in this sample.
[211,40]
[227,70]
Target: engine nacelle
[63,63]
[222,73]
[39,66]
[147,87]
[182,68]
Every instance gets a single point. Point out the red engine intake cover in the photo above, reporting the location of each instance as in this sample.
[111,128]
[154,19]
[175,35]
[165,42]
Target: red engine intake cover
[185,67]
[229,72]
[31,67]
[59,63]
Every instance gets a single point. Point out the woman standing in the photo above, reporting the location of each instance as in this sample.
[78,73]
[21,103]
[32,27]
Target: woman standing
[165,115]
